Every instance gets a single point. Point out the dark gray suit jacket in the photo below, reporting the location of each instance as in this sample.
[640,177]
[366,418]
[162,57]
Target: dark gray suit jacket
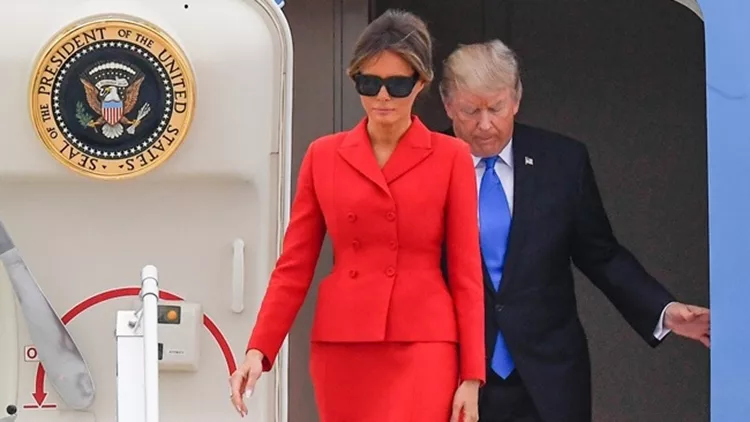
[558,218]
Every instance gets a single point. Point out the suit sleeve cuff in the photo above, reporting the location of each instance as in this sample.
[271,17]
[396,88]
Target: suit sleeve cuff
[267,361]
[477,373]
[660,332]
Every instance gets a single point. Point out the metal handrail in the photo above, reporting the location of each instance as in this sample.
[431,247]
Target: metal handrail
[150,297]
[138,354]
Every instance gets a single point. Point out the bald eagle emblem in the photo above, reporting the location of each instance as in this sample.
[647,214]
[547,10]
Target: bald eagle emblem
[112,90]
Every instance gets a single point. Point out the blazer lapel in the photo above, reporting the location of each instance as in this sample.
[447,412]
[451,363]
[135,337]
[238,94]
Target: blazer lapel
[487,280]
[524,182]
[412,149]
[356,150]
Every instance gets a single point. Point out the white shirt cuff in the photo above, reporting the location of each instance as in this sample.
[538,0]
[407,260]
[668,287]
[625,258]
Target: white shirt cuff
[660,332]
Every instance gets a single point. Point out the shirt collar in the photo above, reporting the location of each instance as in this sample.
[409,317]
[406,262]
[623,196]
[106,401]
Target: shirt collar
[506,155]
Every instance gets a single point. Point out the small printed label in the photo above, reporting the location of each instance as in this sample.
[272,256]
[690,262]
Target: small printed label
[30,354]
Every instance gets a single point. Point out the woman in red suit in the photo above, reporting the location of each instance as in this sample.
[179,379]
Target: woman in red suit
[392,339]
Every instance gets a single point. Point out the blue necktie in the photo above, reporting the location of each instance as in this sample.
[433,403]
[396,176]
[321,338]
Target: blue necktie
[494,226]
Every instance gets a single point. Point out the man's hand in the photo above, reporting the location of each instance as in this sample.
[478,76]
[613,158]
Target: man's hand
[689,321]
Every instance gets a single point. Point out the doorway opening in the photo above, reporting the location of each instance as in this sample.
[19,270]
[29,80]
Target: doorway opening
[628,79]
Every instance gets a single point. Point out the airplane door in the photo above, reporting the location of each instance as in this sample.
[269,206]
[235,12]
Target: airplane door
[139,133]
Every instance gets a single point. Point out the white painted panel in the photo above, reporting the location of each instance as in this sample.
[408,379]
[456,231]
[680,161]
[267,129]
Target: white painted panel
[229,180]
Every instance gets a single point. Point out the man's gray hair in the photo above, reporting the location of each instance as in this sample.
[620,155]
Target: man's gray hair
[481,67]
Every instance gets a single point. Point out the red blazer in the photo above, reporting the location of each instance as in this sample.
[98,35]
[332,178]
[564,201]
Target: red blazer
[387,227]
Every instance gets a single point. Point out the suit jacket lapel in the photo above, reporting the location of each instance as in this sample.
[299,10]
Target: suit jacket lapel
[412,149]
[524,180]
[356,150]
[487,280]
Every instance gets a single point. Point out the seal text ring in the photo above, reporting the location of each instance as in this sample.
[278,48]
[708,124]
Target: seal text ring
[112,97]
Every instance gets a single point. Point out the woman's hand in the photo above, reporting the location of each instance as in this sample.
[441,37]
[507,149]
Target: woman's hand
[466,402]
[244,378]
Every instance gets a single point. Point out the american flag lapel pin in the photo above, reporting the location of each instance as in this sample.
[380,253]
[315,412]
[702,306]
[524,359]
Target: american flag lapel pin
[528,161]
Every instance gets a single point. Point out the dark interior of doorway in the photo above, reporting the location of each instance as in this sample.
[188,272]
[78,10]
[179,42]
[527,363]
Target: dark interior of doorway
[626,77]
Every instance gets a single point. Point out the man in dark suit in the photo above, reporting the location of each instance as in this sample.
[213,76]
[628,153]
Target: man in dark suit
[540,210]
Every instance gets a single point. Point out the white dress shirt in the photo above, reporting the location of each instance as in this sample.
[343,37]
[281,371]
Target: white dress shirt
[504,170]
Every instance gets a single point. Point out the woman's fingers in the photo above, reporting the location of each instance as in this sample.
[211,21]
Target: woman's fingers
[237,382]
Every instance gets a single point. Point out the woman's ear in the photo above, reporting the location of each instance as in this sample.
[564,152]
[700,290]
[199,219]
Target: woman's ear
[418,87]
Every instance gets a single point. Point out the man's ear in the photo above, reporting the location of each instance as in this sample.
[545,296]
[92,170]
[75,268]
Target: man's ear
[516,107]
[448,107]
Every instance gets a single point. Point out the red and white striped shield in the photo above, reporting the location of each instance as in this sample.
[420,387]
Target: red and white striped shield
[112,111]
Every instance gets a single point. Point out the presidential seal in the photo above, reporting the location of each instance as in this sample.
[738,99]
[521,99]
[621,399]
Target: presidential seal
[112,97]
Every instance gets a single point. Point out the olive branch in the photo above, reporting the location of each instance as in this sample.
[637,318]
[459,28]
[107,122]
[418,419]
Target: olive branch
[83,117]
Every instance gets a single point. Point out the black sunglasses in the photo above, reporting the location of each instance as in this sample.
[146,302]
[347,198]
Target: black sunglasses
[397,86]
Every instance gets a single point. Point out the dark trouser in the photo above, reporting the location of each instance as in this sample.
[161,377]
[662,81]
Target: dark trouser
[506,400]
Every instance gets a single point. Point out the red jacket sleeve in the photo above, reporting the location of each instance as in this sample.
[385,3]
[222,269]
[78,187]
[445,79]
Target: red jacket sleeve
[465,266]
[292,276]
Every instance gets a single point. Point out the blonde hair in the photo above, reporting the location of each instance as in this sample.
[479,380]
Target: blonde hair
[481,67]
[400,32]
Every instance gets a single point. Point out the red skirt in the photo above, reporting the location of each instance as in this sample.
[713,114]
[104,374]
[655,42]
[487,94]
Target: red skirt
[384,382]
